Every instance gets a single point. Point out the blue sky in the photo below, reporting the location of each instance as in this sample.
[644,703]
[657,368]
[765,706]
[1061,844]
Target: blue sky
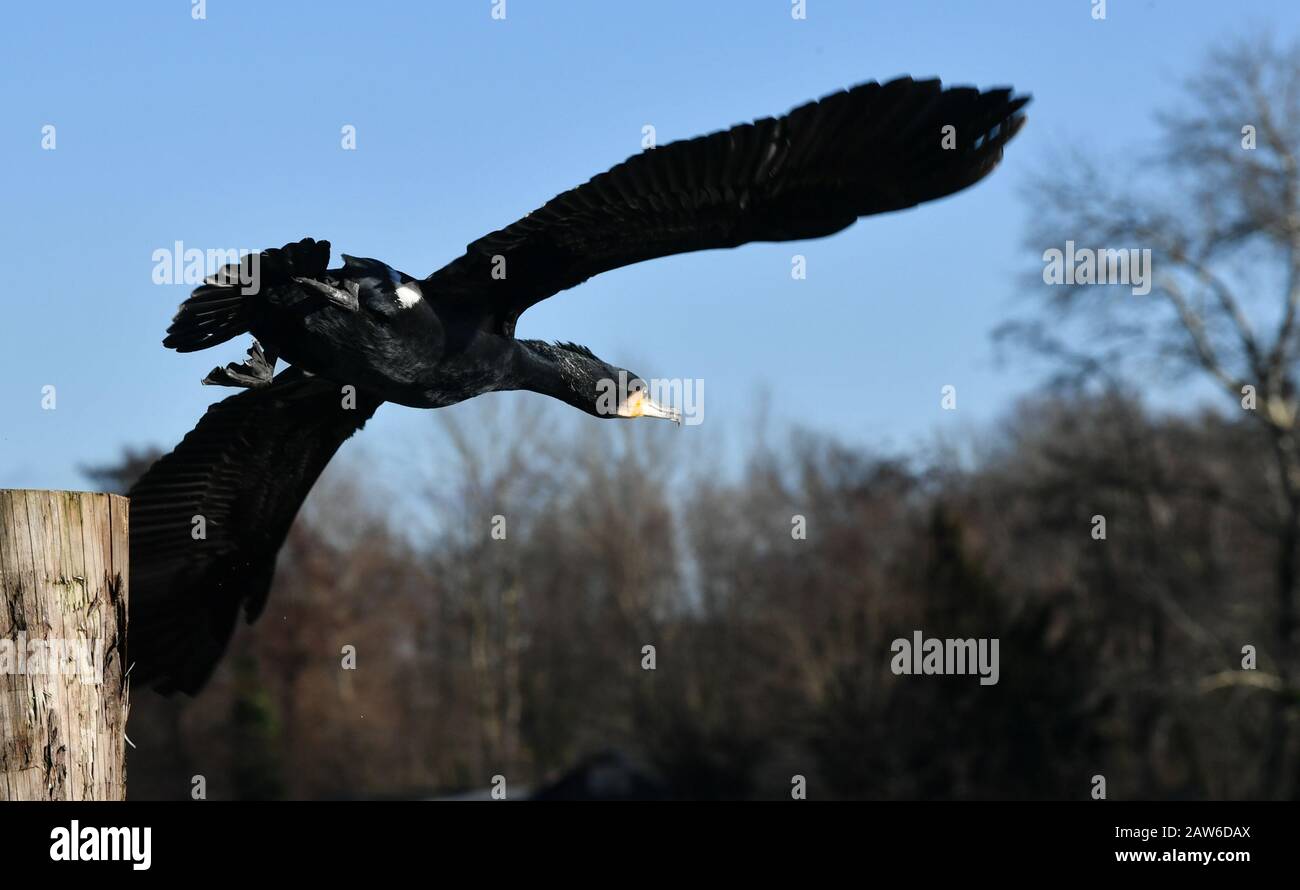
[226,133]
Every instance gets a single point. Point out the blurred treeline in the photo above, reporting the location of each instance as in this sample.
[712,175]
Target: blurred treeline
[518,657]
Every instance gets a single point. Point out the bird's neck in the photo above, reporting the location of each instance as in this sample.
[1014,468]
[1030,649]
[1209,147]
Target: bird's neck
[551,371]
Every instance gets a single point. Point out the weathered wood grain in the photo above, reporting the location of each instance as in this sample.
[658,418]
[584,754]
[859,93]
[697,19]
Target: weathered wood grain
[63,690]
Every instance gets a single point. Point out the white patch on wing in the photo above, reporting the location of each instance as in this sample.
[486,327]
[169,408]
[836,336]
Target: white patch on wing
[408,295]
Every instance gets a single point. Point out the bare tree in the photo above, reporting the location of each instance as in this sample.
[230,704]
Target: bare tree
[1217,204]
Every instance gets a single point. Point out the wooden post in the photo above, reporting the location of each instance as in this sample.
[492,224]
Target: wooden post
[63,693]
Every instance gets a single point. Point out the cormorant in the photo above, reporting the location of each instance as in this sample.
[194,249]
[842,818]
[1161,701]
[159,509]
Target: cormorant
[248,465]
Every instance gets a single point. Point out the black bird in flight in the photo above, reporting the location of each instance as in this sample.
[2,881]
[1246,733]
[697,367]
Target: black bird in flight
[365,334]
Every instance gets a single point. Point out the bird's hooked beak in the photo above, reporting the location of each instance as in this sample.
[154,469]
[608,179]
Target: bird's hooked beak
[638,404]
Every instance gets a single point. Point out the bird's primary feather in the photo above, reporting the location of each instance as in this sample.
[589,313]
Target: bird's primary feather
[807,174]
[208,519]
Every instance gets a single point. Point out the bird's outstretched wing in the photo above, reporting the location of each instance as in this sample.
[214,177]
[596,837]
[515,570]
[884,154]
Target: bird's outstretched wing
[807,174]
[208,519]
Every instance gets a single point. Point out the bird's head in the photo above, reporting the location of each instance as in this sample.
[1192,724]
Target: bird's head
[576,375]
[635,400]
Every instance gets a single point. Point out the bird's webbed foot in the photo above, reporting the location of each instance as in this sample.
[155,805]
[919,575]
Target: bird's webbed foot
[257,371]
